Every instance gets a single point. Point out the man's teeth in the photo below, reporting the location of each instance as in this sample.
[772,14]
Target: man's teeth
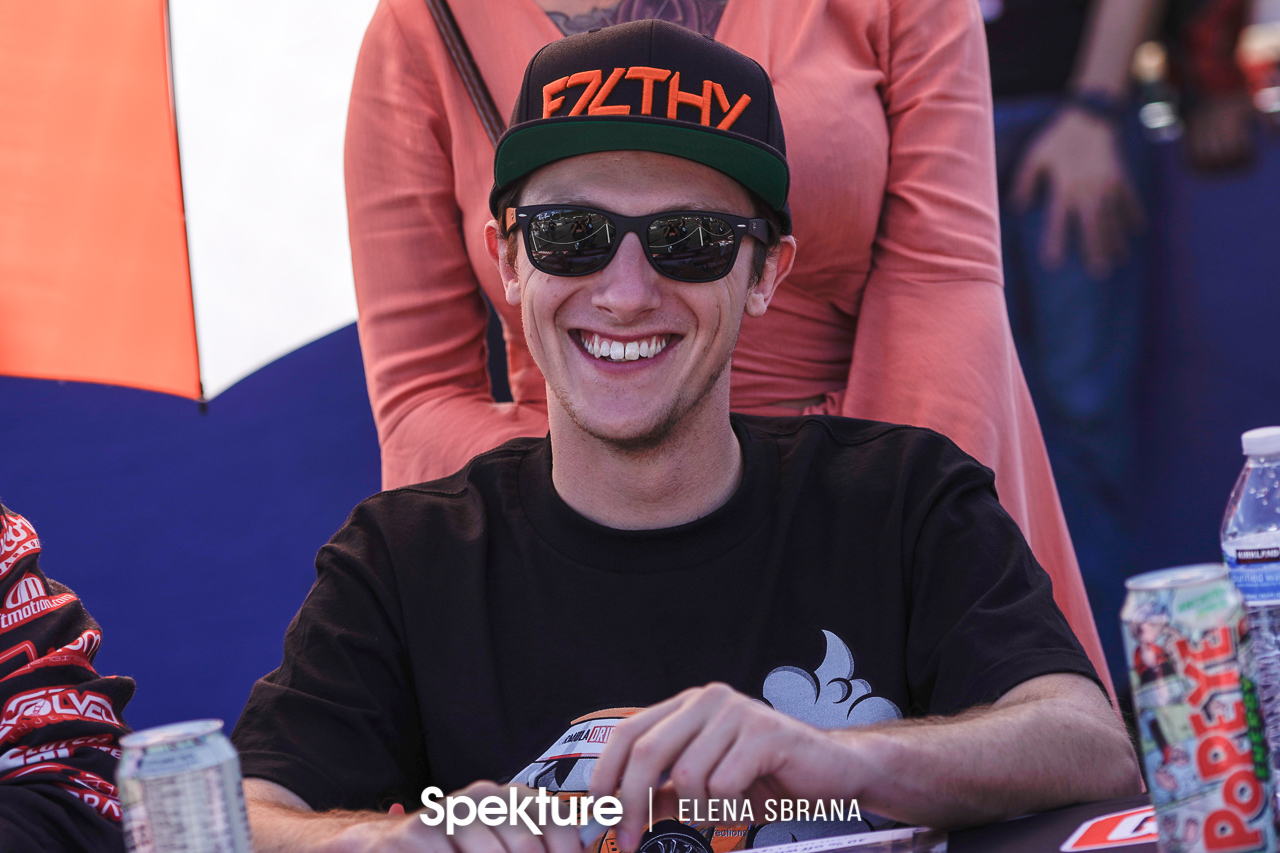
[630,351]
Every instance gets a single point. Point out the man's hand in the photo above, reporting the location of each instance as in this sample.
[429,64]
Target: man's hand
[1078,162]
[1049,742]
[713,742]
[282,823]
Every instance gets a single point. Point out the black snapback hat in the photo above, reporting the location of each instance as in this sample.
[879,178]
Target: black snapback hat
[648,86]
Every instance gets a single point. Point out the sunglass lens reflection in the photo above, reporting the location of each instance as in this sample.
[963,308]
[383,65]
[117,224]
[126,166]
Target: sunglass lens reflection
[691,247]
[688,247]
[570,242]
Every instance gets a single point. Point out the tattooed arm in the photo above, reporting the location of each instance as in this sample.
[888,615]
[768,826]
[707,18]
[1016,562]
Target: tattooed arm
[578,16]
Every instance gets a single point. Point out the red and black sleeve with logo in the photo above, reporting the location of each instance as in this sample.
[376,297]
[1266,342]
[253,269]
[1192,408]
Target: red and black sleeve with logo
[60,722]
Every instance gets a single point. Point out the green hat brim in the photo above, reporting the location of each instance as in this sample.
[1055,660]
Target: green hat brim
[524,149]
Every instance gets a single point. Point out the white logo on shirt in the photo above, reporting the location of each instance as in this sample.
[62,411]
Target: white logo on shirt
[829,697]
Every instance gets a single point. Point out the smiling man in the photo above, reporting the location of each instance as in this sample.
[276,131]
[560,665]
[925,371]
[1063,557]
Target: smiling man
[636,361]
[656,552]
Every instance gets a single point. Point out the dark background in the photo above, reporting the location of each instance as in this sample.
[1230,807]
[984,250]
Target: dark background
[191,536]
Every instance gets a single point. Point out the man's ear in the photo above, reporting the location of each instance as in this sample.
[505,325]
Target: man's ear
[776,268]
[497,248]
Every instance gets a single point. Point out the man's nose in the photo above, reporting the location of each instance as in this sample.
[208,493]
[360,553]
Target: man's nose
[628,286]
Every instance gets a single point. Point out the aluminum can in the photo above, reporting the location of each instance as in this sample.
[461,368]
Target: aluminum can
[1203,752]
[180,790]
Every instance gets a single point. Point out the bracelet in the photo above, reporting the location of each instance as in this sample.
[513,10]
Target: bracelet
[1098,104]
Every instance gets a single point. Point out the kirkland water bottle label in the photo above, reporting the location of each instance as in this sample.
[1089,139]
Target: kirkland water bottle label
[1256,572]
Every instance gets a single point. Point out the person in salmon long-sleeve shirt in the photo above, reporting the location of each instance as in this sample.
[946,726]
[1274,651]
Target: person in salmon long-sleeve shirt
[894,310]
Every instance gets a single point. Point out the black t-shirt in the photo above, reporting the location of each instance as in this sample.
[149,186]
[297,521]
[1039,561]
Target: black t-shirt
[1033,44]
[457,627]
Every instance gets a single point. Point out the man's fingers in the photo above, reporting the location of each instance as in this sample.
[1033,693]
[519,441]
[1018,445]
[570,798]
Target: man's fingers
[738,768]
[652,746]
[692,770]
[758,751]
[688,744]
[607,773]
[761,791]
[632,827]
[651,754]
[666,803]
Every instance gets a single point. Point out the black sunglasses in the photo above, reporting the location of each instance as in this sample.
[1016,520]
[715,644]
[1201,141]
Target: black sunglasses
[687,245]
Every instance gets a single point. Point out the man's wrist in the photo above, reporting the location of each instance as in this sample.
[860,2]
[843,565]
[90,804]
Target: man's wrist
[279,828]
[359,836]
[863,754]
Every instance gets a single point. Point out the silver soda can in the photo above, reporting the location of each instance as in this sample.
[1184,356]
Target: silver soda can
[1203,753]
[180,790]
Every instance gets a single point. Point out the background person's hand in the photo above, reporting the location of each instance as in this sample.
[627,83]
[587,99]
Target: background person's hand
[1077,162]
[716,743]
[1219,132]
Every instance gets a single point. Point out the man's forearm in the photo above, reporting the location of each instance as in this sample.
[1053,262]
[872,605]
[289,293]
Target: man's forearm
[1038,748]
[282,823]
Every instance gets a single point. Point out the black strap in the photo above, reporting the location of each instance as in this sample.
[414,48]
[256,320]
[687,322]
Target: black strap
[466,65]
[495,344]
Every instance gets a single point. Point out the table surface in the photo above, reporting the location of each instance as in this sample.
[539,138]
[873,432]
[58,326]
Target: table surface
[1042,833]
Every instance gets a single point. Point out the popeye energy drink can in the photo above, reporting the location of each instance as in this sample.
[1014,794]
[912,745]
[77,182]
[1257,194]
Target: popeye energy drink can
[180,791]
[1203,752]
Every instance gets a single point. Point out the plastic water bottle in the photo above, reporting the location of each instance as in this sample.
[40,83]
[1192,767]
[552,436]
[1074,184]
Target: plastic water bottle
[1157,99]
[1251,549]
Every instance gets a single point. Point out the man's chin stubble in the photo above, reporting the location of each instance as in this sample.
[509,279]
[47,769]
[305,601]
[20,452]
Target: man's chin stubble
[655,437]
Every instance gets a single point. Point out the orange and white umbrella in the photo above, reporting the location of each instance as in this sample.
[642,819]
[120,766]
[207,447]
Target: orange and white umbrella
[171,202]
